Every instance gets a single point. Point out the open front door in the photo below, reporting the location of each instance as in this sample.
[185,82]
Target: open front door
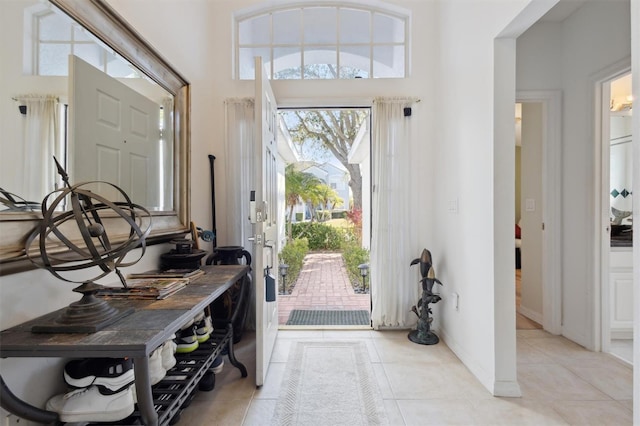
[264,215]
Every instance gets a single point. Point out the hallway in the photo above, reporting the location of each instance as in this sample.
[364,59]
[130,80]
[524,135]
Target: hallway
[323,284]
[562,384]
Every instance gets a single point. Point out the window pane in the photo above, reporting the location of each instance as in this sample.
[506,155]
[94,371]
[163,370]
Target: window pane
[287,63]
[388,61]
[320,25]
[354,61]
[81,35]
[247,61]
[91,53]
[118,67]
[54,27]
[387,29]
[53,59]
[355,26]
[255,30]
[287,27]
[320,64]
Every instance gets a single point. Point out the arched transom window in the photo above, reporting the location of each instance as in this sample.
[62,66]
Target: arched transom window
[323,42]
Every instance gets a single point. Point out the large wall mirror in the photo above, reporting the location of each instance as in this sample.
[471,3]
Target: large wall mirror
[62,53]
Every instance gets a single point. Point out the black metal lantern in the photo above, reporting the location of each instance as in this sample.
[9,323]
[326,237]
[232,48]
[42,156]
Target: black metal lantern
[364,271]
[283,268]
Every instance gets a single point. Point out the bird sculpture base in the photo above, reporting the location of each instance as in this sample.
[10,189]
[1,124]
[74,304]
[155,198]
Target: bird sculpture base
[428,338]
[88,315]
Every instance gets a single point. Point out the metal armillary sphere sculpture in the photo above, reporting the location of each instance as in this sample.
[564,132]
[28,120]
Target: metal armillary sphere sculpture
[89,247]
[423,334]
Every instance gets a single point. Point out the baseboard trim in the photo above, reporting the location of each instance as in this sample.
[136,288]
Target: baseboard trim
[507,389]
[531,314]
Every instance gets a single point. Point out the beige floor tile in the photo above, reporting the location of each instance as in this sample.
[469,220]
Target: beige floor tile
[443,381]
[405,352]
[394,416]
[273,382]
[532,334]
[550,382]
[347,334]
[600,413]
[609,376]
[383,382]
[206,413]
[627,403]
[515,411]
[437,412]
[563,350]
[527,353]
[260,412]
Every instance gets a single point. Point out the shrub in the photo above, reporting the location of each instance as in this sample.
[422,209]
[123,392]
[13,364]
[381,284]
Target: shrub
[320,236]
[293,254]
[339,214]
[354,255]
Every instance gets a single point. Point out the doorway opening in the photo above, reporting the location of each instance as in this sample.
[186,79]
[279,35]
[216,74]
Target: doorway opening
[324,264]
[616,196]
[528,213]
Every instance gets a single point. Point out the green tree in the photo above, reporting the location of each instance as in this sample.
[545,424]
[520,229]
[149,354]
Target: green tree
[298,187]
[333,130]
[329,199]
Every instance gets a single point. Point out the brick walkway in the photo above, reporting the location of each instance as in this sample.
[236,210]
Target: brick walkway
[323,285]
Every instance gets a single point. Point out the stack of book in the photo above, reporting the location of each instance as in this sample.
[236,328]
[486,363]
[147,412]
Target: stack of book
[188,274]
[154,284]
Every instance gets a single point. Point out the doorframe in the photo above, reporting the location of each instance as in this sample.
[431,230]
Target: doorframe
[601,247]
[551,101]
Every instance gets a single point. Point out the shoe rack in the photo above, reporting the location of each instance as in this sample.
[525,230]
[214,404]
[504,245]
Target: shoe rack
[137,336]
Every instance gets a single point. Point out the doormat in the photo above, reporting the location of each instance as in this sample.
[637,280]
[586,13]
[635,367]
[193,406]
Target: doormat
[315,317]
[329,383]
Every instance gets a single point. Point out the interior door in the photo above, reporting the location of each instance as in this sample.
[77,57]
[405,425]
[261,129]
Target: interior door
[265,230]
[115,136]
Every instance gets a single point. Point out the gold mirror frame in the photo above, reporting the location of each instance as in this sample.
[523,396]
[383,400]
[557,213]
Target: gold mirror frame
[104,22]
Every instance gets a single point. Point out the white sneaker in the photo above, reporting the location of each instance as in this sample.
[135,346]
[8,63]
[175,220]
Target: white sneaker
[168,351]
[90,405]
[156,370]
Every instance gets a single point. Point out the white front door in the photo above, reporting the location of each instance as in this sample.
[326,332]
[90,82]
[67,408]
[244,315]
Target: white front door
[265,230]
[115,136]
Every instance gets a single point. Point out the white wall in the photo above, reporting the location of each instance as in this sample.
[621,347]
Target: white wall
[531,252]
[565,56]
[467,243]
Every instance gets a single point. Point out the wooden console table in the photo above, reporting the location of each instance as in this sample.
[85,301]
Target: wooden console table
[136,336]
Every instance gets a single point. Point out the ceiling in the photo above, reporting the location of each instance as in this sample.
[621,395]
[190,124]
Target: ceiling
[562,10]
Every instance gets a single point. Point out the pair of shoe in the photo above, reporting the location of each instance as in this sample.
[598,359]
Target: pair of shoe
[104,391]
[208,380]
[161,360]
[196,331]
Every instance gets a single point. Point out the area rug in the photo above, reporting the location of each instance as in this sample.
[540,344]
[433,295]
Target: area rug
[318,317]
[329,383]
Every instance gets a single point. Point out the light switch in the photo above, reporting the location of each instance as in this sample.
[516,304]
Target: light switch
[453,206]
[530,205]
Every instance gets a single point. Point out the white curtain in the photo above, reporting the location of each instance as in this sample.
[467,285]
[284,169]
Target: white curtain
[41,143]
[166,152]
[394,288]
[240,171]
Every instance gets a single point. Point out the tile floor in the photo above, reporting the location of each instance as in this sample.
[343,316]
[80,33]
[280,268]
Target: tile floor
[562,384]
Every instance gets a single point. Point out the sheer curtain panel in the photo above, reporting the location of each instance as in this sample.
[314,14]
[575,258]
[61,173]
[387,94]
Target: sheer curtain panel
[394,288]
[41,143]
[240,171]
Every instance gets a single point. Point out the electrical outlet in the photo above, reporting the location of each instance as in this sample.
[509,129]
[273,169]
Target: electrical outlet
[455,301]
[12,420]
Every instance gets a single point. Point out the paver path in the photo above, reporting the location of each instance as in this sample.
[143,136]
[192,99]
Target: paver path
[323,284]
